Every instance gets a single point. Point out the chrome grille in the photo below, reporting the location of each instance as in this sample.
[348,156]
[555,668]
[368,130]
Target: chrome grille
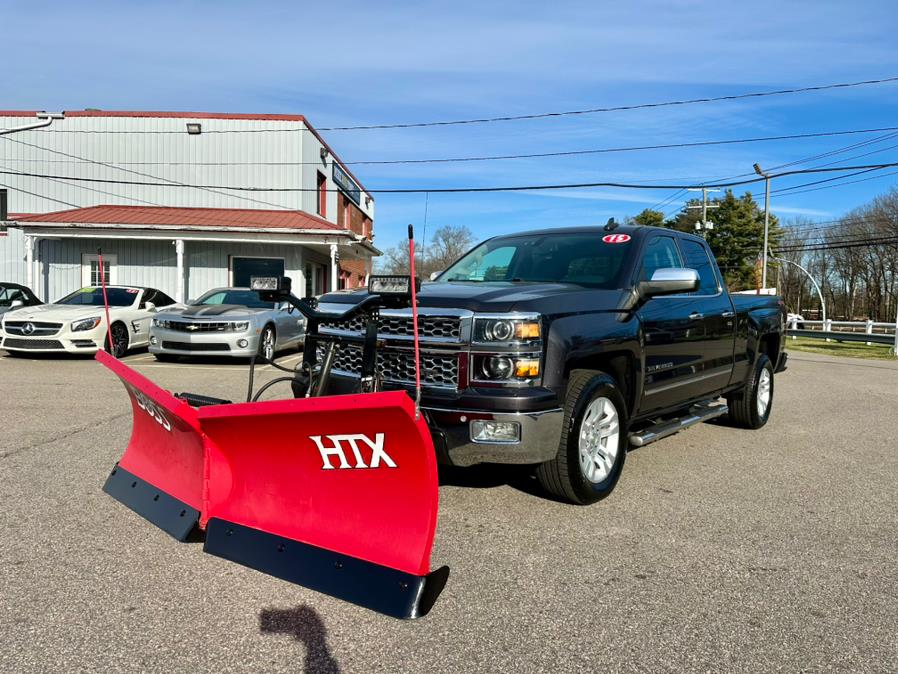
[200,326]
[396,366]
[40,328]
[445,328]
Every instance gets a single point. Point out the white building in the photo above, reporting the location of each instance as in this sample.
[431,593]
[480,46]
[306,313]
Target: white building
[182,202]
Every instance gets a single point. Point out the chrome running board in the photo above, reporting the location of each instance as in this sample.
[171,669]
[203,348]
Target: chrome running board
[697,414]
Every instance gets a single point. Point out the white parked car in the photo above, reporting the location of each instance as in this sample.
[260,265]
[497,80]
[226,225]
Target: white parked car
[77,322]
[226,322]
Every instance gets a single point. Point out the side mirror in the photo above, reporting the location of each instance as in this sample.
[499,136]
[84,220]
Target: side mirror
[669,281]
[433,276]
[149,306]
[16,304]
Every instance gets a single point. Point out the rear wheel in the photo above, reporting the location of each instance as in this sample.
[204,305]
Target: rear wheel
[593,443]
[119,340]
[750,408]
[266,343]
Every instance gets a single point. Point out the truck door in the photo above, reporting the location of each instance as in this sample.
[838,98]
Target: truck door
[718,316]
[673,331]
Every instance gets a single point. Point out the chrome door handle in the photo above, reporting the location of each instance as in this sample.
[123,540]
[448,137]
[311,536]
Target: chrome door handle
[695,316]
[727,314]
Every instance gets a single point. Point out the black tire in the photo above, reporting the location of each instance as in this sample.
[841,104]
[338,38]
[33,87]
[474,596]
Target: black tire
[120,340]
[563,476]
[744,408]
[267,330]
[165,357]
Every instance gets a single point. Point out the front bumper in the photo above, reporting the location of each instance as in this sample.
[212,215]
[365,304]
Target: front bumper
[451,430]
[179,343]
[64,341]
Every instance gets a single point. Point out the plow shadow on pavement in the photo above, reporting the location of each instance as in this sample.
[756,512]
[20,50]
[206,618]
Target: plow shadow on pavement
[305,625]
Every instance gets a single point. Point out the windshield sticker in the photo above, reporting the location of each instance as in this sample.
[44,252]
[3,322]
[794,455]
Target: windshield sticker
[616,238]
[133,291]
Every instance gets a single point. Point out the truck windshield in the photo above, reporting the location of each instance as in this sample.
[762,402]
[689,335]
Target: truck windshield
[581,259]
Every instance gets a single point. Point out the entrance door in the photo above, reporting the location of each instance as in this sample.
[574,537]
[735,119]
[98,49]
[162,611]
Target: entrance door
[244,268]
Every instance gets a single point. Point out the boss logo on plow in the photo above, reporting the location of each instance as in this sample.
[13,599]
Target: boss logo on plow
[338,450]
[150,408]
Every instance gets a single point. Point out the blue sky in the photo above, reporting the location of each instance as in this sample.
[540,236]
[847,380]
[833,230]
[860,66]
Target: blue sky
[352,63]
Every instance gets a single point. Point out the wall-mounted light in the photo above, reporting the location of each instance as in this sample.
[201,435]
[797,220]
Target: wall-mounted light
[324,154]
[194,128]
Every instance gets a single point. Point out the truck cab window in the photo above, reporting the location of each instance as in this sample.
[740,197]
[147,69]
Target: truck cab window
[660,253]
[697,258]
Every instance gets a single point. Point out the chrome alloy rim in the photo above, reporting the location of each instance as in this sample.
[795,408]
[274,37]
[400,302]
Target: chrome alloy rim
[599,440]
[763,392]
[268,344]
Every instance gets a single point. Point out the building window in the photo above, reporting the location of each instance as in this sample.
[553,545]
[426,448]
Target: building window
[90,270]
[322,195]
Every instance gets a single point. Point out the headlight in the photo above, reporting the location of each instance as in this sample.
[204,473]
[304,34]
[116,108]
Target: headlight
[505,330]
[500,368]
[240,326]
[85,324]
[161,323]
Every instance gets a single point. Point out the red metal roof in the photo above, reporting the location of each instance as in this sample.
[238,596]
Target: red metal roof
[165,216]
[177,115]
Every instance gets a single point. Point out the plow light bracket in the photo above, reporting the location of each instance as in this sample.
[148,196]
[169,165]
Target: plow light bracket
[271,288]
[392,286]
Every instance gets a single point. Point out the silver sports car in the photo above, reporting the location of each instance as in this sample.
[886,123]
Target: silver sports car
[226,322]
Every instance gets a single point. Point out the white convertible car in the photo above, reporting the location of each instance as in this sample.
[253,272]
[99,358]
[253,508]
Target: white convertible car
[77,322]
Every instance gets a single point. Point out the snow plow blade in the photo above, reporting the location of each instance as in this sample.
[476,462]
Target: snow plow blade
[160,475]
[338,494]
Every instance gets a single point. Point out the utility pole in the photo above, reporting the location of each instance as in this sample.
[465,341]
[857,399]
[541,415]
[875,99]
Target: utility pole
[703,226]
[766,177]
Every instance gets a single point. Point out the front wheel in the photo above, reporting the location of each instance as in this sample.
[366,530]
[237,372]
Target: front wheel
[750,407]
[119,340]
[593,443]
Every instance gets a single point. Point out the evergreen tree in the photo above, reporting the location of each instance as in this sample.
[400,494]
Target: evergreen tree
[737,237]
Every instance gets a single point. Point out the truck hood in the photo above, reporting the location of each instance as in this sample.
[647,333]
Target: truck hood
[499,297]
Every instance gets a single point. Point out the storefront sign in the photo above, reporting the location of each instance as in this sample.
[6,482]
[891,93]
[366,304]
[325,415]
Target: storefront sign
[347,184]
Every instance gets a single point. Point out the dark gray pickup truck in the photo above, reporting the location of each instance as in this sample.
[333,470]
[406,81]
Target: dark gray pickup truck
[564,347]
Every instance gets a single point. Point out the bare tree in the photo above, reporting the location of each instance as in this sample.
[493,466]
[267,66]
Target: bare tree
[447,244]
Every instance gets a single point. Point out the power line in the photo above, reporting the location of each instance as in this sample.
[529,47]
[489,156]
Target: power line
[139,173]
[456,190]
[511,118]
[618,108]
[39,196]
[564,153]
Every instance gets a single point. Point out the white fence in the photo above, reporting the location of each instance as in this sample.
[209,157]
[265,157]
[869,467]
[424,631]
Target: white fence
[868,331]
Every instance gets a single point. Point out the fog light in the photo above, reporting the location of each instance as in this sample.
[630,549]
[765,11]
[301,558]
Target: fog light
[153,340]
[495,431]
[242,343]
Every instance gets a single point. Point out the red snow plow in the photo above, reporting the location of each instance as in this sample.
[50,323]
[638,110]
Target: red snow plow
[335,493]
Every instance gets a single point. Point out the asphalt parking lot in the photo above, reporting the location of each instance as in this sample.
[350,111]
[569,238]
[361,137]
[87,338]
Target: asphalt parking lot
[720,550]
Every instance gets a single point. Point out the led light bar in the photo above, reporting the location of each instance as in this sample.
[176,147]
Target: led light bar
[391,285]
